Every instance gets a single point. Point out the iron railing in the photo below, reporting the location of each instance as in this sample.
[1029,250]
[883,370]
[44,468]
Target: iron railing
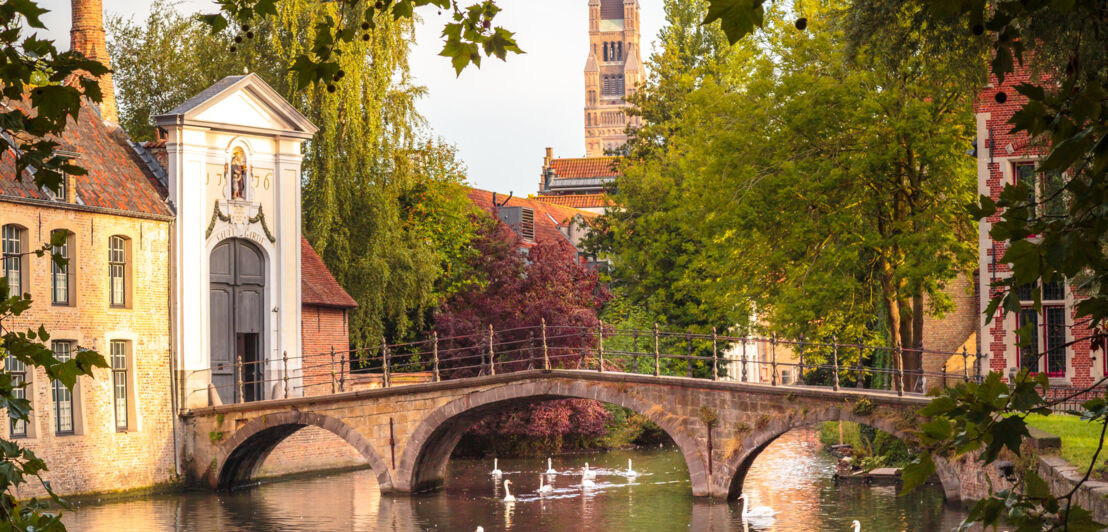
[487,351]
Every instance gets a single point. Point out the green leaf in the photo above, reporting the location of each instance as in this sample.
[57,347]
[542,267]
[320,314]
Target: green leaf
[918,471]
[737,17]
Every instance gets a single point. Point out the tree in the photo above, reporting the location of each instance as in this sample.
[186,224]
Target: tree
[384,205]
[778,188]
[517,288]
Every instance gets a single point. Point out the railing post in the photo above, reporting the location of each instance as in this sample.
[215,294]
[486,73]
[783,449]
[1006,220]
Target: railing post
[342,371]
[743,344]
[600,349]
[492,361]
[861,353]
[545,350]
[238,377]
[773,359]
[332,369]
[899,369]
[965,365]
[634,350]
[285,371]
[386,380]
[435,357]
[688,353]
[657,353]
[800,354]
[835,359]
[715,358]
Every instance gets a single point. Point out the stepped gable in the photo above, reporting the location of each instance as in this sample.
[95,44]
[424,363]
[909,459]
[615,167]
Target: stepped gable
[117,178]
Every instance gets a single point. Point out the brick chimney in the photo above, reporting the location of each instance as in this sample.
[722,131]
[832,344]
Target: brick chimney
[87,37]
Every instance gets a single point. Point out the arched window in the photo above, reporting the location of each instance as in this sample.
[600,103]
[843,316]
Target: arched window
[619,54]
[119,255]
[13,244]
[605,51]
[61,275]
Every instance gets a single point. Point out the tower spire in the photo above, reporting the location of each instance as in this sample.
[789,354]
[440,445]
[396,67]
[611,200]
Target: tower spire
[612,71]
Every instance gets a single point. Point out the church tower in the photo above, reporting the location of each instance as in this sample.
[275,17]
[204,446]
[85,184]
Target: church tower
[612,71]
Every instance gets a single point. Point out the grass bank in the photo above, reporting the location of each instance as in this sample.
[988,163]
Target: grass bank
[1079,437]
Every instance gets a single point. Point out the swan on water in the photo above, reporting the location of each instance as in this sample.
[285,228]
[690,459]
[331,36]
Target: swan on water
[758,512]
[508,497]
[550,467]
[495,468]
[585,481]
[545,488]
[480,529]
[857,526]
[631,473]
[587,473]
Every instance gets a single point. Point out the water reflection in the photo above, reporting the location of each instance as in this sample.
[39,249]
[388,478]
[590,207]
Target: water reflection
[792,476]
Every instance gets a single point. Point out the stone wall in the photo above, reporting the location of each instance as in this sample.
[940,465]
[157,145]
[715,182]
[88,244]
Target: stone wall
[310,449]
[97,457]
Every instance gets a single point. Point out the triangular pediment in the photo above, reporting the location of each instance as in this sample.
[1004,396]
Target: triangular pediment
[241,103]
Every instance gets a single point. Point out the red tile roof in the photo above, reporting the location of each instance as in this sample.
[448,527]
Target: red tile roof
[317,286]
[585,167]
[547,216]
[117,178]
[577,201]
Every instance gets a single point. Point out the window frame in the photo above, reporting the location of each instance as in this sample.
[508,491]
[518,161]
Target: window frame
[1055,359]
[12,253]
[1040,181]
[66,271]
[120,263]
[119,359]
[57,389]
[19,376]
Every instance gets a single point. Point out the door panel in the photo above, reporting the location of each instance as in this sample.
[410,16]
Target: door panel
[237,314]
[222,346]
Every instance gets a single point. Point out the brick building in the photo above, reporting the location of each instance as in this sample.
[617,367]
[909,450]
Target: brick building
[1005,158]
[186,270]
[580,182]
[613,70]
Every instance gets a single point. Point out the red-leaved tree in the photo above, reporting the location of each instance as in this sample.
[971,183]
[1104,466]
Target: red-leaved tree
[516,287]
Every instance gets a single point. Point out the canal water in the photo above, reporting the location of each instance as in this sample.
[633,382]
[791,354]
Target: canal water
[793,476]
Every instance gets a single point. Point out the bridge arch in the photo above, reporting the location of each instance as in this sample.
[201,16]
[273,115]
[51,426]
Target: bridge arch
[732,472]
[423,462]
[240,457]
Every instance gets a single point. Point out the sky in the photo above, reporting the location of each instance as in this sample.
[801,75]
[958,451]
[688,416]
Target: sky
[502,116]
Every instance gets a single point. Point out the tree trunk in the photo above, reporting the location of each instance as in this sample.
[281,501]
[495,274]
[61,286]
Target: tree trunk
[892,310]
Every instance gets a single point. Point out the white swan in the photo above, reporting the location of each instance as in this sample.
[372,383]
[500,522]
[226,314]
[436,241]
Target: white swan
[587,473]
[508,497]
[758,512]
[495,468]
[587,483]
[480,529]
[545,488]
[631,473]
[550,467]
[857,526]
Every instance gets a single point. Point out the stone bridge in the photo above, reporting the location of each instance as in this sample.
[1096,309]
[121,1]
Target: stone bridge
[407,433]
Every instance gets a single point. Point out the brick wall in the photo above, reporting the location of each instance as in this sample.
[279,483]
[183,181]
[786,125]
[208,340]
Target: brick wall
[310,449]
[998,151]
[323,329]
[949,333]
[97,457]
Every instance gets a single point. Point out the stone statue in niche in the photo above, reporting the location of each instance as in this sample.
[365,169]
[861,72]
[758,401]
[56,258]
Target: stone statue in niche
[238,174]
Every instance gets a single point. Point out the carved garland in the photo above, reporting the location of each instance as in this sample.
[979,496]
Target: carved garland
[260,217]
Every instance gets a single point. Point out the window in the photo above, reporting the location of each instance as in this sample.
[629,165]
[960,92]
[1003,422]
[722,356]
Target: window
[11,239]
[119,352]
[1048,330]
[619,51]
[1046,189]
[62,396]
[18,372]
[605,51]
[117,271]
[60,284]
[527,224]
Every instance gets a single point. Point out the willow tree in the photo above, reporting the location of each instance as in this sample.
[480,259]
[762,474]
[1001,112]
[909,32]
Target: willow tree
[383,206]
